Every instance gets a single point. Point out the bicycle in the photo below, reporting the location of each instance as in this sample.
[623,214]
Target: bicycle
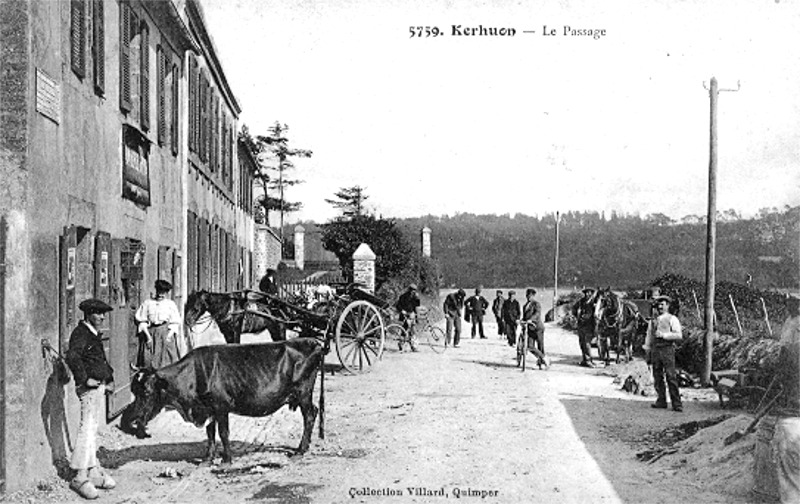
[522,347]
[422,327]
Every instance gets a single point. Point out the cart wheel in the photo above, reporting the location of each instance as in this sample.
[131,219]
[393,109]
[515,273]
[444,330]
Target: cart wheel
[396,335]
[436,339]
[360,336]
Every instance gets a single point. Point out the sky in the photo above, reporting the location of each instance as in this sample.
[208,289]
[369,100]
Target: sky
[529,124]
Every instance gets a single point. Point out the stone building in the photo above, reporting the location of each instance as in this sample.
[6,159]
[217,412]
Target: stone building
[118,166]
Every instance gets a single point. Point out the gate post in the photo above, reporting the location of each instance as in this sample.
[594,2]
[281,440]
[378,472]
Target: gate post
[299,246]
[426,241]
[364,267]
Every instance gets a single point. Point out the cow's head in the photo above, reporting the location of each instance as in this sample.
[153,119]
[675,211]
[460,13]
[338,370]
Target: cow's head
[149,390]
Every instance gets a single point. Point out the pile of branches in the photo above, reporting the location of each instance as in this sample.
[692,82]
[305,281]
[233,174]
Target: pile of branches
[753,348]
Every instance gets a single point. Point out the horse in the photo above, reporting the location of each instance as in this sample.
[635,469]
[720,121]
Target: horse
[230,312]
[616,322]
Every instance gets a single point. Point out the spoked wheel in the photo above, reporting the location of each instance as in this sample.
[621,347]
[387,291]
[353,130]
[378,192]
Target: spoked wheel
[436,339]
[360,336]
[396,335]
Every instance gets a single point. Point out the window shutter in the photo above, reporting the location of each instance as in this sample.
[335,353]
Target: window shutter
[192,101]
[99,46]
[77,35]
[204,118]
[144,76]
[125,57]
[215,133]
[160,94]
[174,103]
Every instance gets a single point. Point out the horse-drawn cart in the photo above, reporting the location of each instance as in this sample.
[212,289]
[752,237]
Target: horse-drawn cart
[351,318]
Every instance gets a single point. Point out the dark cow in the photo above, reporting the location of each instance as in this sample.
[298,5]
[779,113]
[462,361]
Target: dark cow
[211,382]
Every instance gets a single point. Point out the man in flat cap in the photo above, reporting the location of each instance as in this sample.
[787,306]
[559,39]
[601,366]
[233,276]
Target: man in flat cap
[452,306]
[476,307]
[159,325]
[497,309]
[93,377]
[659,347]
[511,315]
[583,311]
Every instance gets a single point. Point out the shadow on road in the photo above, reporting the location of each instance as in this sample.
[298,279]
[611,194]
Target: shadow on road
[194,452]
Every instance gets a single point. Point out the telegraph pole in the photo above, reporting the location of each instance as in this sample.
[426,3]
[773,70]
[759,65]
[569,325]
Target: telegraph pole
[555,272]
[711,232]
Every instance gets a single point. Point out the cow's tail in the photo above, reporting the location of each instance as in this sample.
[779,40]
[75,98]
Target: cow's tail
[314,363]
[326,348]
[322,396]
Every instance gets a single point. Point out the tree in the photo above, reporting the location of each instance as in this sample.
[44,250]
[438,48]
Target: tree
[394,252]
[350,200]
[274,156]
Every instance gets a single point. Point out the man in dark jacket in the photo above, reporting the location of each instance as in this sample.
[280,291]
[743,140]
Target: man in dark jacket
[93,377]
[406,306]
[497,309]
[268,283]
[583,311]
[533,327]
[453,303]
[511,314]
[476,306]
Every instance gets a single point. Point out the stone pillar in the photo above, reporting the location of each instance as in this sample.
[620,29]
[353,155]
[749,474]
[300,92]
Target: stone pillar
[261,252]
[426,241]
[364,266]
[299,246]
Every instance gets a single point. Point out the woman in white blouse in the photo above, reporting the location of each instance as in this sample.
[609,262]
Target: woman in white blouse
[159,325]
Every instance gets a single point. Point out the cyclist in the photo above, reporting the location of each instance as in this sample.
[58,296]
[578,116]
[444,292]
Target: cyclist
[534,328]
[407,305]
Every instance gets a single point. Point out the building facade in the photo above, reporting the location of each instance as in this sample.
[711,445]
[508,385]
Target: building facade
[117,155]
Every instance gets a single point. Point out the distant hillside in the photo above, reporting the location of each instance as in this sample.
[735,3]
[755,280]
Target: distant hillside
[622,251]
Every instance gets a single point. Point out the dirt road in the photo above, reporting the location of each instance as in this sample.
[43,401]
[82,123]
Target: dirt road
[425,427]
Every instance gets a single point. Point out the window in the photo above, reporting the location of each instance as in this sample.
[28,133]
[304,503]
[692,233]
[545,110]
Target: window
[99,46]
[77,37]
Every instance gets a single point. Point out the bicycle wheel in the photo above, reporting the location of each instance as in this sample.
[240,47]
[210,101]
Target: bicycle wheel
[520,351]
[396,336]
[436,339]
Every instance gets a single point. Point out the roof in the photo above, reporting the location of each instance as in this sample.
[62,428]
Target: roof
[197,26]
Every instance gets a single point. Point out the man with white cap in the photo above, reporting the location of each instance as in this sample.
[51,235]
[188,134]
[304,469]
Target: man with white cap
[659,348]
[93,377]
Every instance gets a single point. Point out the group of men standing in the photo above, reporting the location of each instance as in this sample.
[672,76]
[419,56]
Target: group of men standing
[507,312]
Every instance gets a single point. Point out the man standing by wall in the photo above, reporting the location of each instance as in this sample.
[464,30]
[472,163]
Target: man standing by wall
[453,303]
[497,309]
[476,306]
[511,315]
[583,311]
[93,376]
[659,346]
